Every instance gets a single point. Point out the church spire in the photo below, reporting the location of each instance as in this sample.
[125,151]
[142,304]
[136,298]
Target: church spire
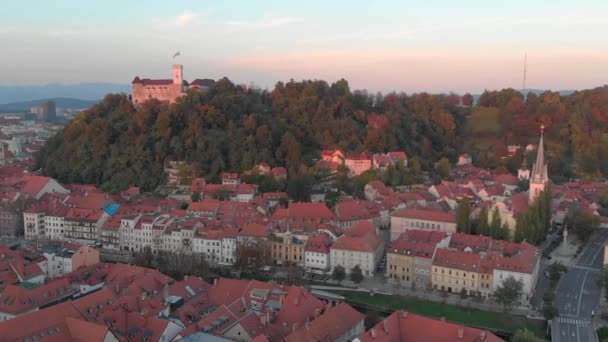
[539,177]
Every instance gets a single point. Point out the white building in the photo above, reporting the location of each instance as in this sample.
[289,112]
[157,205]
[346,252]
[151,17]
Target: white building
[359,246]
[316,252]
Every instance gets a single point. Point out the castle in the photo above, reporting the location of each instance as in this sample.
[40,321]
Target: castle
[167,90]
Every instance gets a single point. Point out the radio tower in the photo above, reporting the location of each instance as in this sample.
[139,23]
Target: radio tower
[525,65]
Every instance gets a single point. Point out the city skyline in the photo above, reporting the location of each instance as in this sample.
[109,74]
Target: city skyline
[435,47]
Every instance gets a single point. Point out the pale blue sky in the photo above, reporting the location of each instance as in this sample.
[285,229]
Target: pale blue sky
[379,45]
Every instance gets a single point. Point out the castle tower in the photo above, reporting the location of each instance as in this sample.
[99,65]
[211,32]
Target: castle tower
[178,74]
[539,177]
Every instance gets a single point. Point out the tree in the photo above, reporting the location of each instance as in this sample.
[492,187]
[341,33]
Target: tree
[299,187]
[582,223]
[496,224]
[463,293]
[356,275]
[549,311]
[509,292]
[338,274]
[483,228]
[443,168]
[525,335]
[464,211]
[467,100]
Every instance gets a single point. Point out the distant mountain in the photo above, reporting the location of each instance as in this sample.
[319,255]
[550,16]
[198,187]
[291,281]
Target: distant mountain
[60,102]
[84,91]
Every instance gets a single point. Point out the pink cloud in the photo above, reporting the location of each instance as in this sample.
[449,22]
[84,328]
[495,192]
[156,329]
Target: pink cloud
[410,69]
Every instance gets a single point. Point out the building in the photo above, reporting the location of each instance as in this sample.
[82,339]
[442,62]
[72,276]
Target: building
[409,258]
[11,219]
[19,300]
[341,323]
[457,271]
[539,178]
[82,225]
[165,90]
[67,258]
[357,163]
[316,252]
[287,247]
[359,246]
[36,186]
[419,218]
[405,326]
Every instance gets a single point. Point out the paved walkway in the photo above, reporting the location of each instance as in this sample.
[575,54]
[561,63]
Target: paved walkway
[379,285]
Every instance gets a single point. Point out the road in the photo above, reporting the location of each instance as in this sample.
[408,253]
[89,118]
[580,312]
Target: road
[578,294]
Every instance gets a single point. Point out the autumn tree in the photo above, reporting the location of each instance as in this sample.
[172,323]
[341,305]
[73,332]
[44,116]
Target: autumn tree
[463,223]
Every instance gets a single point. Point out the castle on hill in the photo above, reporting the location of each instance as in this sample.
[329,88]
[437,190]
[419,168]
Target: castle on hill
[165,90]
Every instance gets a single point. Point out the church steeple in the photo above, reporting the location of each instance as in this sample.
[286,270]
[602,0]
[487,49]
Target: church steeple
[539,177]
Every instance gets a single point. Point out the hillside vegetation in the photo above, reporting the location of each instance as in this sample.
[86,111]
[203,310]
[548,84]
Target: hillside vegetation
[232,127]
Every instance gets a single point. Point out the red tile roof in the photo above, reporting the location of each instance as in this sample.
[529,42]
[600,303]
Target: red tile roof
[408,327]
[331,325]
[470,262]
[318,243]
[361,237]
[32,185]
[17,300]
[425,214]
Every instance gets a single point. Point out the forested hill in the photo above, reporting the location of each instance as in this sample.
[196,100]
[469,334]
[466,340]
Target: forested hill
[232,127]
[576,130]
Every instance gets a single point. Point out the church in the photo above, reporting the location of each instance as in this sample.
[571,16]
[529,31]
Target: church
[165,90]
[519,202]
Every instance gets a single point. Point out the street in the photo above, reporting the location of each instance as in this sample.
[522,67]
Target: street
[578,294]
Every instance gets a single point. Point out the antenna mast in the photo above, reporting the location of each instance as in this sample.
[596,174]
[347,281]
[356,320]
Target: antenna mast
[525,65]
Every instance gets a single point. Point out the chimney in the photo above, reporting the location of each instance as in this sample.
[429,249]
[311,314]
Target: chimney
[403,314]
[281,299]
[215,282]
[143,295]
[186,277]
[460,332]
[373,332]
[306,325]
[294,326]
[482,335]
[317,313]
[296,300]
[384,326]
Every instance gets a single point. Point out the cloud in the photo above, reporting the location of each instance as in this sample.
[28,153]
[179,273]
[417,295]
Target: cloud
[185,18]
[267,21]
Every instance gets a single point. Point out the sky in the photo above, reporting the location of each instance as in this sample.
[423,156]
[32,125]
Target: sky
[411,46]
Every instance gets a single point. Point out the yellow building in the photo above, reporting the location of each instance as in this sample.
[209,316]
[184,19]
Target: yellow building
[287,247]
[454,270]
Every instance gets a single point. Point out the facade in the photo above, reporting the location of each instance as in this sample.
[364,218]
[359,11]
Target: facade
[410,257]
[287,247]
[359,246]
[82,225]
[316,252]
[357,163]
[427,219]
[11,220]
[63,260]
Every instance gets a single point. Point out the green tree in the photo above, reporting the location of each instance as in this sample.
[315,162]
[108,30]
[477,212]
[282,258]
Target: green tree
[509,292]
[582,223]
[338,274]
[443,168]
[356,275]
[496,224]
[483,228]
[463,224]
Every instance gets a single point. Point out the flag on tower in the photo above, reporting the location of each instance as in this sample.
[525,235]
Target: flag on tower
[176,54]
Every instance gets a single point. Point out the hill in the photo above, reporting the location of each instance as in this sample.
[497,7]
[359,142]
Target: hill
[84,91]
[232,127]
[61,102]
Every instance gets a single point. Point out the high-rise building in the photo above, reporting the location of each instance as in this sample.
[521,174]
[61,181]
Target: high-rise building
[49,111]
